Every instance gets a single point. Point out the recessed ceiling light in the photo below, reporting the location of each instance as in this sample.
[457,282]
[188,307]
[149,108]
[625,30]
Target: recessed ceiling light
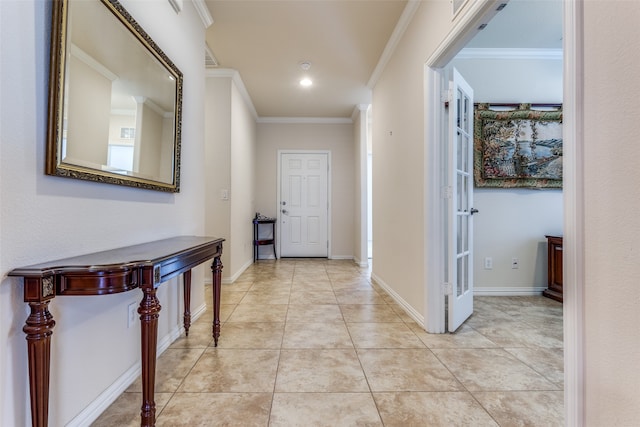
[306,82]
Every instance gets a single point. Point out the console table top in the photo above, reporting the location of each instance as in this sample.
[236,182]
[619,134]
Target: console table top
[149,253]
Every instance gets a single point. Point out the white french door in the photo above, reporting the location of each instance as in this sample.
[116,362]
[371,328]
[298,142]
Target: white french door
[460,262]
[304,207]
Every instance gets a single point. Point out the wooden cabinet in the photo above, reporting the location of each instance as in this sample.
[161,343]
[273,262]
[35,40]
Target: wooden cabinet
[554,268]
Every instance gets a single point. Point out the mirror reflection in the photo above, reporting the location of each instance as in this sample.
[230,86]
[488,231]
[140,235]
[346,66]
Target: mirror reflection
[120,102]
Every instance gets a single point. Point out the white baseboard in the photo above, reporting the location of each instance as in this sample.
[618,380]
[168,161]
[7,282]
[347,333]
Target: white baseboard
[228,280]
[507,291]
[360,263]
[92,411]
[341,257]
[412,312]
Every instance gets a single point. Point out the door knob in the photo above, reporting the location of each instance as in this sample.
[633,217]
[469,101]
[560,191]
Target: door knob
[284,211]
[473,211]
[283,203]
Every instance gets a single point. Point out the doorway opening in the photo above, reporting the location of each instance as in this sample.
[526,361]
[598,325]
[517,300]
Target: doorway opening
[573,198]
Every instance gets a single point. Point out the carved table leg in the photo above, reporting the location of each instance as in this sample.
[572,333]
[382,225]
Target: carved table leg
[216,268]
[149,312]
[39,328]
[187,301]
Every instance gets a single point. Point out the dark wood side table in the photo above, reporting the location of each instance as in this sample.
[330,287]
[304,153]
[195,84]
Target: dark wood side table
[257,241]
[143,266]
[554,268]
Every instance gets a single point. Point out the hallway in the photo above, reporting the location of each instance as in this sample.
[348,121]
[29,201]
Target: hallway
[314,343]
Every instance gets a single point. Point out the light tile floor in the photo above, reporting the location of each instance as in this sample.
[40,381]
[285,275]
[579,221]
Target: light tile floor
[315,343]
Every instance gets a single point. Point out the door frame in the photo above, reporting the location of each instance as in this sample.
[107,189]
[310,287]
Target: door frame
[573,189]
[278,195]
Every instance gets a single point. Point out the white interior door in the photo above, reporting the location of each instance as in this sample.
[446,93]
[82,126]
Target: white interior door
[460,263]
[304,204]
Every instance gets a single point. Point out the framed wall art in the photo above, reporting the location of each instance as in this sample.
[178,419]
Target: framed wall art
[518,145]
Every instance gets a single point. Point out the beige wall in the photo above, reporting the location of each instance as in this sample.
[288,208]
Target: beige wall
[243,181]
[398,158]
[230,133]
[612,231]
[150,141]
[92,113]
[218,161]
[337,138]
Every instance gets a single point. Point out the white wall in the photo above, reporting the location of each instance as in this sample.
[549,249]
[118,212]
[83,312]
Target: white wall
[513,222]
[338,138]
[611,228]
[44,218]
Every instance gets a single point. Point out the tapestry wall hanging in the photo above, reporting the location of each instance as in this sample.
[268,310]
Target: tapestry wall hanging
[518,146]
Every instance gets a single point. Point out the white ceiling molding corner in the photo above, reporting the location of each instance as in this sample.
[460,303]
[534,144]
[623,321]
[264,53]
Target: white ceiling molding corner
[407,14]
[510,53]
[307,120]
[234,75]
[210,60]
[204,13]
[358,109]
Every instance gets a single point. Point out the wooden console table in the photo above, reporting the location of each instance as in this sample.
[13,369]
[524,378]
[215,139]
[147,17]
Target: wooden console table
[143,266]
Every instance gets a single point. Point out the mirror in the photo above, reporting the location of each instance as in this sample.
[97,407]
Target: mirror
[115,99]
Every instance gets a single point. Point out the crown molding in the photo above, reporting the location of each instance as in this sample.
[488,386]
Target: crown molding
[510,53]
[234,75]
[398,32]
[358,109]
[307,120]
[203,11]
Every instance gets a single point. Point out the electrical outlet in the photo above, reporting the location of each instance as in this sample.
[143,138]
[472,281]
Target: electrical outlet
[488,263]
[133,314]
[515,263]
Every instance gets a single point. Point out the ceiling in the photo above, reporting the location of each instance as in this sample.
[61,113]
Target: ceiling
[343,40]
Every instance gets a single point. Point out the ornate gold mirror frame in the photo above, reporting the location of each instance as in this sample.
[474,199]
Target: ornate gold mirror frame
[115,100]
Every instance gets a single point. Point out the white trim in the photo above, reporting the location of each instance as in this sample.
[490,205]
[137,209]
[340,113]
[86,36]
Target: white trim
[573,196]
[479,53]
[329,204]
[306,120]
[435,238]
[342,257]
[203,12]
[92,63]
[362,247]
[407,14]
[92,411]
[234,75]
[465,28]
[411,312]
[360,263]
[508,291]
[357,109]
[229,280]
[434,204]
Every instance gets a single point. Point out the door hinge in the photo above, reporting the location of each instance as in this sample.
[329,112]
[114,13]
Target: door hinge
[447,289]
[447,96]
[446,192]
